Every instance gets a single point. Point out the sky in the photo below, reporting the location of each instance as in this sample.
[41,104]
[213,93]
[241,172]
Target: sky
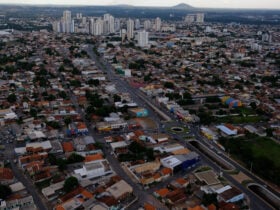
[273,4]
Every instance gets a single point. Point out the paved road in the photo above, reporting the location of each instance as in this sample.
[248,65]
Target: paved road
[38,200]
[114,163]
[256,202]
[32,190]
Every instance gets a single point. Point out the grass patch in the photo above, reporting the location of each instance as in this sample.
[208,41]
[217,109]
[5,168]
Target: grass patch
[240,119]
[261,154]
[246,182]
[203,168]
[43,184]
[233,172]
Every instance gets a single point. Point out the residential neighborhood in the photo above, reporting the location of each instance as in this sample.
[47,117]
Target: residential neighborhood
[140,114]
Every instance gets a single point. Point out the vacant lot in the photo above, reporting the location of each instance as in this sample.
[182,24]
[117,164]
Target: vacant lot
[259,153]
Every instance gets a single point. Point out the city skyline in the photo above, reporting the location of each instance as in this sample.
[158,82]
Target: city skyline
[250,4]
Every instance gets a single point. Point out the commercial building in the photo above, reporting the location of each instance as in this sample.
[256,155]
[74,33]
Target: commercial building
[158,24]
[200,17]
[130,29]
[180,162]
[120,190]
[93,169]
[138,112]
[143,38]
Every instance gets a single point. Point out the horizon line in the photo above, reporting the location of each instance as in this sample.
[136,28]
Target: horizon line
[130,5]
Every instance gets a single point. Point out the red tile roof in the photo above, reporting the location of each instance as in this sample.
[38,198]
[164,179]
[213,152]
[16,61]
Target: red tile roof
[6,174]
[67,147]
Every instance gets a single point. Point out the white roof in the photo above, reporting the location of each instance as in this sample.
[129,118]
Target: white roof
[118,144]
[20,150]
[18,186]
[44,144]
[170,162]
[226,130]
[223,189]
[120,188]
[50,190]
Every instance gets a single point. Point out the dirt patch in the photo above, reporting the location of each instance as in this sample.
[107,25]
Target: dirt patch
[240,177]
[145,122]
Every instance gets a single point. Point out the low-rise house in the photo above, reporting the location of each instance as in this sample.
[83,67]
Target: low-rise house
[18,203]
[161,193]
[180,162]
[17,187]
[93,169]
[52,192]
[6,175]
[231,195]
[120,190]
[82,143]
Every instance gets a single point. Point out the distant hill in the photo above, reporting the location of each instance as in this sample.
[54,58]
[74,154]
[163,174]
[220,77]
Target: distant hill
[122,5]
[183,6]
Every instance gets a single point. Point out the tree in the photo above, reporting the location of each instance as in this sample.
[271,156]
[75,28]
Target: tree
[94,82]
[33,112]
[117,98]
[187,95]
[208,199]
[67,120]
[70,184]
[12,98]
[253,105]
[54,124]
[212,99]
[169,85]
[75,83]
[147,77]
[75,158]
[62,94]
[5,191]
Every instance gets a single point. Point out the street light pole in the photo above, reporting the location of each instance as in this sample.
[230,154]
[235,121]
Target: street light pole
[251,166]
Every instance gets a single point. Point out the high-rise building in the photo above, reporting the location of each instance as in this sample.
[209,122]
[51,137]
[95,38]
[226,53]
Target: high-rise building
[122,34]
[111,24]
[56,25]
[98,27]
[137,24]
[147,25]
[106,27]
[200,17]
[157,24]
[67,22]
[79,15]
[190,18]
[117,24]
[91,25]
[143,38]
[130,29]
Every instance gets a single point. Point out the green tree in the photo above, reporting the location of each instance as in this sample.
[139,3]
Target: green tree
[62,94]
[70,184]
[94,82]
[67,120]
[169,85]
[54,124]
[253,105]
[33,112]
[75,158]
[208,199]
[12,98]
[117,98]
[5,191]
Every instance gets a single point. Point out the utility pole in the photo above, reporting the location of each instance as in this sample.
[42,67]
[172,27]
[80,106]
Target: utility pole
[251,167]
